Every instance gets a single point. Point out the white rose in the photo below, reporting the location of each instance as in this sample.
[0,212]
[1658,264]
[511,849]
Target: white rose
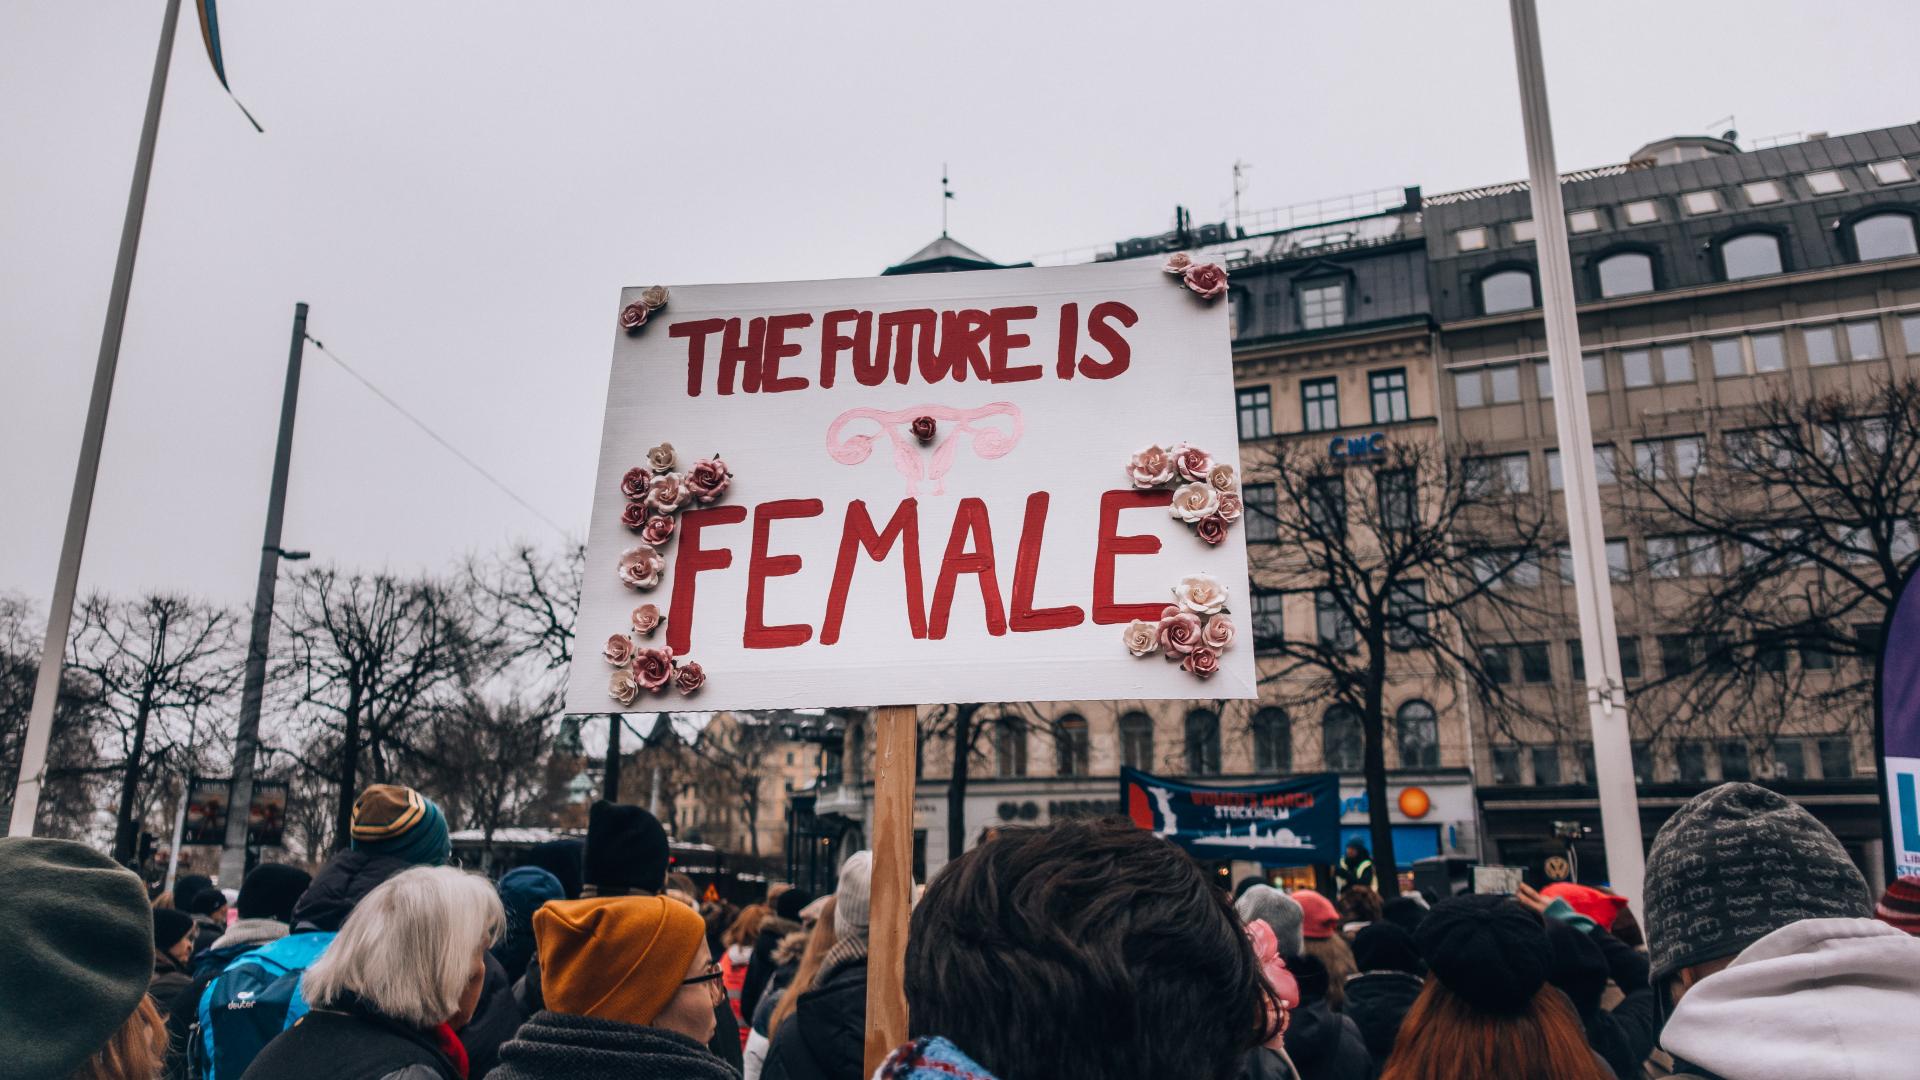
[1201,594]
[1191,502]
[1142,637]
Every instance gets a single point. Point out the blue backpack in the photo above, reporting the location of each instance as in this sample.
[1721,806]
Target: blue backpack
[254,999]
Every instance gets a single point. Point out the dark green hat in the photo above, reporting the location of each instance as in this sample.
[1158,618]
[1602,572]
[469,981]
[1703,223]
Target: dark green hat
[79,954]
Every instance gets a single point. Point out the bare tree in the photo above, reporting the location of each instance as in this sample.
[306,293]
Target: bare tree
[68,799]
[733,748]
[487,760]
[528,600]
[1401,561]
[961,726]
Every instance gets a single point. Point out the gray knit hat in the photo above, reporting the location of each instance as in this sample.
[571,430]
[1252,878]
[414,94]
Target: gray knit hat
[853,896]
[1735,864]
[1279,911]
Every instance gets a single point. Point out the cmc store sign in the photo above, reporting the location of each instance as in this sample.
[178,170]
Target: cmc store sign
[1356,449]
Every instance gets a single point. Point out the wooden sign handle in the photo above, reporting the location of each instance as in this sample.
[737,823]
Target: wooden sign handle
[892,895]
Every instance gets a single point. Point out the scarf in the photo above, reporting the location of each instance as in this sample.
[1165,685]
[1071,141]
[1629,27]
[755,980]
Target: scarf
[931,1059]
[558,1046]
[449,1044]
[846,951]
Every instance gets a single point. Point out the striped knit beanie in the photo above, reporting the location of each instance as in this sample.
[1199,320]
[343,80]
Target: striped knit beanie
[1899,906]
[389,819]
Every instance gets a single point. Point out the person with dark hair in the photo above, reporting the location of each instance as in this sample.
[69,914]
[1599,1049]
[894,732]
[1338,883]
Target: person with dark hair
[522,890]
[1487,1012]
[736,951]
[1761,935]
[265,907]
[824,1037]
[564,859]
[208,907]
[786,919]
[1083,950]
[172,948]
[1407,911]
[1323,1044]
[1320,929]
[799,958]
[1391,976]
[1355,868]
[1584,961]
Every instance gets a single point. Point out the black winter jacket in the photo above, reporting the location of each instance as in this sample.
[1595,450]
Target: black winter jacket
[825,1038]
[352,1045]
[1376,1003]
[555,1046]
[761,965]
[1626,1034]
[1325,1045]
[495,1019]
[346,880]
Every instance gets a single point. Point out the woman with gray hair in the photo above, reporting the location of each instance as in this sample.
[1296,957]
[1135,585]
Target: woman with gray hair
[391,991]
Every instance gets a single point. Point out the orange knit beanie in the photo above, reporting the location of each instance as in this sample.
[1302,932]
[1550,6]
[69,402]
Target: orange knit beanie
[619,958]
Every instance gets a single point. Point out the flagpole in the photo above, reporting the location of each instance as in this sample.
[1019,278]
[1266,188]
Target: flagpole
[46,689]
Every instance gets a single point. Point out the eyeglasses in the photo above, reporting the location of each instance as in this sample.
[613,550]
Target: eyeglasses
[712,973]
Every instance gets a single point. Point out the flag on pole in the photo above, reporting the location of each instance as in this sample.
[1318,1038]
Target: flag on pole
[210,34]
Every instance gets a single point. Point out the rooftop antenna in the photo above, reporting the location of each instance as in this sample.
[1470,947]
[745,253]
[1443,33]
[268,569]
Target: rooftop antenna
[1239,184]
[1726,124]
[946,196]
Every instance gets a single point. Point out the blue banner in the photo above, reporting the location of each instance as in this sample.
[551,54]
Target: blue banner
[1291,822]
[1899,728]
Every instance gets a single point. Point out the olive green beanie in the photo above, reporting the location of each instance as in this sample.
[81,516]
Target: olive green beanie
[79,954]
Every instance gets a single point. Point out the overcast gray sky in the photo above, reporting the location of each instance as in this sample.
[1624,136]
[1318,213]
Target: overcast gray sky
[460,190]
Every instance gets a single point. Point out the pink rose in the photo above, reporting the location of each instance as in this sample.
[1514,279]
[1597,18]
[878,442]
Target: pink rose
[634,516]
[1142,637]
[1193,463]
[1207,279]
[1222,479]
[619,650]
[1219,633]
[1180,634]
[642,566]
[654,297]
[646,618]
[1229,507]
[668,493]
[1169,611]
[1201,662]
[690,678]
[923,428]
[1177,263]
[634,484]
[1150,468]
[657,530]
[708,479]
[634,316]
[1191,502]
[1211,528]
[653,668]
[621,687]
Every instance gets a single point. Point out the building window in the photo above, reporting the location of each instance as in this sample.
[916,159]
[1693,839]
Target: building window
[1396,491]
[1543,379]
[1762,192]
[1506,290]
[1836,758]
[1583,221]
[1320,404]
[1863,341]
[1327,506]
[1332,627]
[1272,741]
[1536,662]
[1203,743]
[1323,304]
[1577,655]
[1594,367]
[1604,472]
[1546,765]
[1826,182]
[1750,255]
[1789,759]
[1689,555]
[1822,345]
[1676,654]
[1629,657]
[1910,333]
[1474,239]
[1736,761]
[1884,236]
[1269,622]
[1504,382]
[1136,740]
[1619,570]
[1690,760]
[1486,476]
[1670,363]
[1642,762]
[1642,212]
[1754,354]
[1469,390]
[1668,459]
[1389,392]
[1407,614]
[1496,664]
[1010,749]
[1506,764]
[1522,231]
[1626,273]
[1419,736]
[1342,743]
[1071,746]
[1255,406]
[1262,512]
[1890,172]
[1701,202]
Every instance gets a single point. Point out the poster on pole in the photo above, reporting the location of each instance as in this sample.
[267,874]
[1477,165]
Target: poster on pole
[1291,822]
[1898,723]
[997,485]
[206,819]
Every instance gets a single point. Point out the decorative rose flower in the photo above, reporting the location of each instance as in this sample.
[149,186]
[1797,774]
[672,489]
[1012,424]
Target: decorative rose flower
[689,678]
[1191,502]
[668,493]
[1212,528]
[922,428]
[1201,594]
[634,516]
[657,530]
[1177,263]
[619,650]
[634,316]
[1230,507]
[653,668]
[1193,463]
[708,479]
[662,459]
[1179,634]
[1151,467]
[621,686]
[1219,632]
[654,297]
[1207,279]
[1142,637]
[1222,479]
[646,618]
[634,484]
[642,566]
[1169,611]
[1201,662]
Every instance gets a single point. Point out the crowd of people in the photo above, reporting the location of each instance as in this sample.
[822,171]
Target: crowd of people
[1081,950]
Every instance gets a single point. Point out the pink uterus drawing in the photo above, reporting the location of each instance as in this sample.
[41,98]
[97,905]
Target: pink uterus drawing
[987,442]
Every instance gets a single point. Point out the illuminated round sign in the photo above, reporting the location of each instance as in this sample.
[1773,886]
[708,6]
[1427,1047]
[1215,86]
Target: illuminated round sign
[1414,802]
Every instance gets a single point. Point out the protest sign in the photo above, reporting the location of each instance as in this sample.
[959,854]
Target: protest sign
[1291,822]
[206,817]
[1897,700]
[917,489]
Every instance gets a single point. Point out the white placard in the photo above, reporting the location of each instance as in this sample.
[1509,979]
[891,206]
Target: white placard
[1028,446]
